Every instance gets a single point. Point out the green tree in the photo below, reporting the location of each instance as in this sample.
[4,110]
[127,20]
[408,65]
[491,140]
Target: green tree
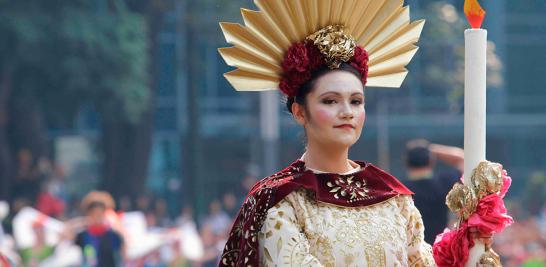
[127,145]
[60,55]
[443,56]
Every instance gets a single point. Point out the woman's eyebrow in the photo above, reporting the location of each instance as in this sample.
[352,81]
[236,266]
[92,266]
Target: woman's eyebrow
[329,92]
[337,93]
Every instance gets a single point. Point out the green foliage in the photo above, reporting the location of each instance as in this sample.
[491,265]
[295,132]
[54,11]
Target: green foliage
[444,54]
[534,198]
[71,52]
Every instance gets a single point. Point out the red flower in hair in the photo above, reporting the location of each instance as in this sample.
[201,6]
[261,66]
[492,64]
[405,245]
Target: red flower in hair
[296,59]
[302,59]
[360,63]
[292,81]
[316,59]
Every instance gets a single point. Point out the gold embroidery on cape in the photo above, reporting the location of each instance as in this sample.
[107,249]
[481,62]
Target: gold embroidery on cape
[349,189]
[385,234]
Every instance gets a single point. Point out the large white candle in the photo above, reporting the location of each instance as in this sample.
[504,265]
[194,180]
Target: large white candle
[474,99]
[474,112]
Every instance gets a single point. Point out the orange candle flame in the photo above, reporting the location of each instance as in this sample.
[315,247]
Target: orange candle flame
[474,13]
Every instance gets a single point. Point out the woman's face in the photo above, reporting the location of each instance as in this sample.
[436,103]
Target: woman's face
[335,110]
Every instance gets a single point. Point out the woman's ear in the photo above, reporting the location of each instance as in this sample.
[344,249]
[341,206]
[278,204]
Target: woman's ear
[298,112]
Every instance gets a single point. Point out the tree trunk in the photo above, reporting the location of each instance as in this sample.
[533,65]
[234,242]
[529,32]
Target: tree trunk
[127,147]
[141,149]
[126,150]
[22,126]
[27,131]
[114,160]
[193,189]
[6,161]
[27,127]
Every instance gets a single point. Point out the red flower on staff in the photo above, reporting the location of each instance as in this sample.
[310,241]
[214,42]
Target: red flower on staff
[451,247]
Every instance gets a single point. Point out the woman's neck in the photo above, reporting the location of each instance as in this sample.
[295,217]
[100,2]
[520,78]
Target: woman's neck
[327,160]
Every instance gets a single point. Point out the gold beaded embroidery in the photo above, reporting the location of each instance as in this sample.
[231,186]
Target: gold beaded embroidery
[389,233]
[349,189]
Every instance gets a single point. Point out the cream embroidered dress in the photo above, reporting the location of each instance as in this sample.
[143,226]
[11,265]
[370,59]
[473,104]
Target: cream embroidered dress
[300,231]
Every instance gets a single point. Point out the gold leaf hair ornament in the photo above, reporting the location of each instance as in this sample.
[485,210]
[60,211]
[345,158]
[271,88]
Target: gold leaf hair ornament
[335,45]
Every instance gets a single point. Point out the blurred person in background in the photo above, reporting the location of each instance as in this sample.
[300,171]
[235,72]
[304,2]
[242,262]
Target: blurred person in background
[246,185]
[143,203]
[534,196]
[161,213]
[522,244]
[124,204]
[217,220]
[73,206]
[213,232]
[542,220]
[27,178]
[33,256]
[191,241]
[186,216]
[48,202]
[8,256]
[50,199]
[4,211]
[4,262]
[431,185]
[230,204]
[101,245]
[151,220]
[16,205]
[211,249]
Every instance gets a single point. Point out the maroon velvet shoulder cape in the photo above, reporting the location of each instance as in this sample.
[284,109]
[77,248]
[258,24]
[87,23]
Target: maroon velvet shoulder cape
[368,186]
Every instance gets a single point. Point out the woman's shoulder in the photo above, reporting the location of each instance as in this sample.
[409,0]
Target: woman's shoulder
[268,191]
[293,200]
[279,178]
[405,205]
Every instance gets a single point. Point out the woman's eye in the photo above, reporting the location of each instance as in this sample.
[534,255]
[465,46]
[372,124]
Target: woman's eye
[328,101]
[356,102]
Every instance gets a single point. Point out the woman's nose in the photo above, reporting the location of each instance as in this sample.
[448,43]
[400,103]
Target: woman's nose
[346,111]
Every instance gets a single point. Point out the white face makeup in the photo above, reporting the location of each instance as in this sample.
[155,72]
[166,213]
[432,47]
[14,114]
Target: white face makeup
[336,111]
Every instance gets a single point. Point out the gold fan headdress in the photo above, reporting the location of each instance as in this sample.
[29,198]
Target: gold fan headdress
[381,27]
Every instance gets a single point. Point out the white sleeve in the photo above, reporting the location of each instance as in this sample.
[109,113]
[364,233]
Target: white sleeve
[281,240]
[419,251]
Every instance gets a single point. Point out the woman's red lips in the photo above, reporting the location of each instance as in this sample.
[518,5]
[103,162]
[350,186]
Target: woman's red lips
[345,126]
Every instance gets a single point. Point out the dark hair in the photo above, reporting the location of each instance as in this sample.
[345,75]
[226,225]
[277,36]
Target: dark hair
[95,204]
[418,154]
[310,84]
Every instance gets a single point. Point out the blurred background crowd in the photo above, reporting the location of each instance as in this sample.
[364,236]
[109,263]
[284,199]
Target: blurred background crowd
[127,97]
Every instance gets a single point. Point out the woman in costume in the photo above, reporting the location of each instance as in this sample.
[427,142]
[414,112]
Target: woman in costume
[325,209]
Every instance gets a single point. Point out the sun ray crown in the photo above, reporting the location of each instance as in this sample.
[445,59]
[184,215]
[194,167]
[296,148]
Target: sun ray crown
[382,27]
